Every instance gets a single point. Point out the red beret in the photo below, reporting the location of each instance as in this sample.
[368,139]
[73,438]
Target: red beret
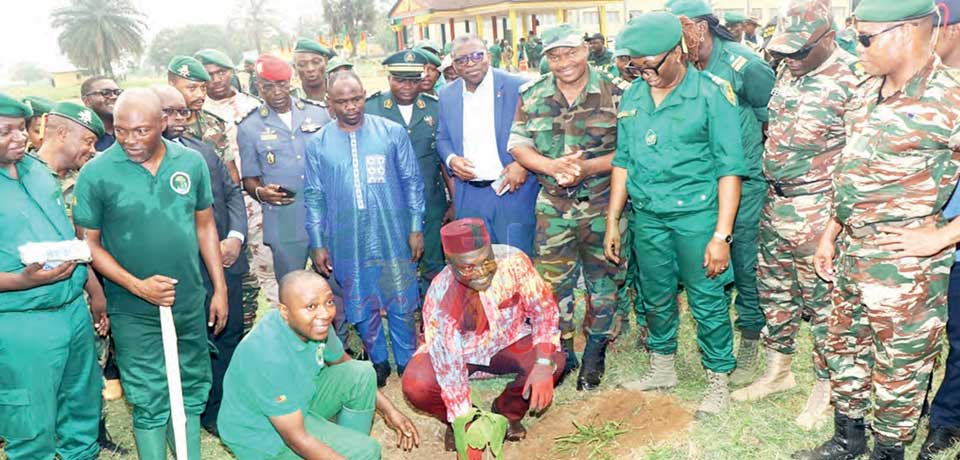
[272,68]
[464,235]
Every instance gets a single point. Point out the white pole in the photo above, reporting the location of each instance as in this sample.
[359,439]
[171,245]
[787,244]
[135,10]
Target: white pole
[178,417]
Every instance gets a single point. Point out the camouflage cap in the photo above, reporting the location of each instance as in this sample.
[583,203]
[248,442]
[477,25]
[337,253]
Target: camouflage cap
[39,105]
[893,10]
[431,58]
[338,63]
[798,24]
[950,11]
[306,45]
[563,35]
[80,115]
[12,108]
[689,8]
[651,34]
[215,57]
[189,68]
[406,64]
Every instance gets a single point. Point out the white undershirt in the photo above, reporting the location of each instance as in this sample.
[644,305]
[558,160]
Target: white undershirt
[287,118]
[479,130]
[407,112]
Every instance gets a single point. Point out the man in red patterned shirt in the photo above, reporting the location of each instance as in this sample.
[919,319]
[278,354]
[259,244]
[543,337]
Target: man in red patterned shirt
[487,311]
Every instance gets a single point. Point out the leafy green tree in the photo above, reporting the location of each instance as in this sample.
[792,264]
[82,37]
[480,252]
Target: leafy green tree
[351,17]
[96,33]
[188,39]
[28,72]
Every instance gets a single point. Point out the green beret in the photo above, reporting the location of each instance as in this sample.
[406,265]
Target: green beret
[215,57]
[306,45]
[893,10]
[337,63]
[798,24]
[689,8]
[12,108]
[81,115]
[430,46]
[406,64]
[563,35]
[189,68]
[651,34]
[39,105]
[448,47]
[430,57]
[734,17]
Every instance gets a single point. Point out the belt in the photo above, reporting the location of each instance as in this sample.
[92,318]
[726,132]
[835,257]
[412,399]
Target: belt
[783,189]
[872,229]
[480,183]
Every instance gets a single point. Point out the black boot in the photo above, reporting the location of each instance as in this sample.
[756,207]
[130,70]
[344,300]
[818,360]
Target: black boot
[106,443]
[594,356]
[571,363]
[383,371]
[849,441]
[885,449]
[938,440]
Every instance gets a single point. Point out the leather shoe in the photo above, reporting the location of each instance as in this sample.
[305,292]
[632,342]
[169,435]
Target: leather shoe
[938,440]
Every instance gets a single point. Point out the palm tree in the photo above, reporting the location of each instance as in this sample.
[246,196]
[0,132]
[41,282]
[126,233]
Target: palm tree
[258,18]
[95,33]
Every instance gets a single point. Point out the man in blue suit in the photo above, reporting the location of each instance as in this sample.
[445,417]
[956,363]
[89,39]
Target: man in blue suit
[489,184]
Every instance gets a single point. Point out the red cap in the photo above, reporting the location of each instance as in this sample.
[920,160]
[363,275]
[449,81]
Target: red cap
[464,235]
[272,68]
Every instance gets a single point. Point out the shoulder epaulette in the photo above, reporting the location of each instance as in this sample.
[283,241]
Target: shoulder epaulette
[314,103]
[724,86]
[210,114]
[530,84]
[374,95]
[430,96]
[249,112]
[738,62]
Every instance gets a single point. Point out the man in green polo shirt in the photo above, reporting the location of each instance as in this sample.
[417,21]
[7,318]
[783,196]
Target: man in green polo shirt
[144,205]
[49,380]
[290,376]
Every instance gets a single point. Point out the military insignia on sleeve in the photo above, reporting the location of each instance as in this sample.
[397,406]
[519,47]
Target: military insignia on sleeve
[85,116]
[627,113]
[651,137]
[271,158]
[268,134]
[420,104]
[428,120]
[388,103]
[738,63]
[409,57]
[725,87]
[180,182]
[183,71]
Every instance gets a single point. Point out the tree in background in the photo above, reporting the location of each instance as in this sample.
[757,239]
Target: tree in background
[95,33]
[188,39]
[259,19]
[28,72]
[350,17]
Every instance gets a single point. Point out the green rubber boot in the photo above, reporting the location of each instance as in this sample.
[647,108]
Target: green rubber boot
[151,444]
[193,438]
[357,420]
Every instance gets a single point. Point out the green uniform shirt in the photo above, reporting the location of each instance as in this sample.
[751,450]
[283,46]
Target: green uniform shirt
[147,222]
[675,153]
[272,373]
[495,53]
[545,122]
[602,60]
[34,212]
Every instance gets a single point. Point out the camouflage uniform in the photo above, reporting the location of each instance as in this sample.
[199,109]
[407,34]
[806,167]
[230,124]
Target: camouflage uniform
[571,221]
[213,130]
[805,137]
[900,165]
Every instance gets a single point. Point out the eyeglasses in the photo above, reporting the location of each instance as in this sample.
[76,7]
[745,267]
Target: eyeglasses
[801,53]
[475,56]
[865,39]
[654,71]
[477,271]
[106,93]
[185,113]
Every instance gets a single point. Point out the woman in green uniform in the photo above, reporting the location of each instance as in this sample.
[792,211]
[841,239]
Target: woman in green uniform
[680,158]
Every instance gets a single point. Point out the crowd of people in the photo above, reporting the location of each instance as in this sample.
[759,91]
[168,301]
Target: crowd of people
[781,176]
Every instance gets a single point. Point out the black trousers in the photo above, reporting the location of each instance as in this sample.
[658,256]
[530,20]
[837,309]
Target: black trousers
[225,344]
[945,410]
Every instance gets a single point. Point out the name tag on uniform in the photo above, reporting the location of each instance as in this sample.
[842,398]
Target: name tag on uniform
[268,135]
[376,169]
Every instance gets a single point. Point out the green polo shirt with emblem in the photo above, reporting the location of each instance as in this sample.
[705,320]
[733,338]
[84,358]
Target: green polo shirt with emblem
[147,221]
[272,373]
[675,153]
[34,212]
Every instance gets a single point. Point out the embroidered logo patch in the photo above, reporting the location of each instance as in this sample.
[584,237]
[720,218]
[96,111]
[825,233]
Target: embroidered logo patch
[180,182]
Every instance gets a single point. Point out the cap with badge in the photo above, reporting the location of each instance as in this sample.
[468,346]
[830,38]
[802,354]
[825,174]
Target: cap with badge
[651,34]
[406,64]
[81,115]
[689,8]
[189,68]
[561,36]
[798,24]
[306,45]
[338,63]
[39,105]
[949,11]
[216,57]
[270,67]
[893,10]
[431,58]
[12,108]
[734,18]
[430,46]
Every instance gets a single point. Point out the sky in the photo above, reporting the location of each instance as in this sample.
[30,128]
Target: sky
[26,35]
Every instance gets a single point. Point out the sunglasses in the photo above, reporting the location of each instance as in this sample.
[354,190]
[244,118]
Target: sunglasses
[185,113]
[865,39]
[801,53]
[475,56]
[655,70]
[106,92]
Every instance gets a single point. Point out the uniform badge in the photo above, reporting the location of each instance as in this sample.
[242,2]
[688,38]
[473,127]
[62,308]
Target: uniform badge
[428,120]
[308,126]
[376,169]
[264,112]
[299,104]
[388,103]
[421,105]
[85,116]
[268,134]
[183,71]
[271,158]
[29,104]
[651,137]
[180,182]
[281,398]
[409,57]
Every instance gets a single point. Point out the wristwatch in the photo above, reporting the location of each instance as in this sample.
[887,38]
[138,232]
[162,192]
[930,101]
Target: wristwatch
[725,237]
[546,362]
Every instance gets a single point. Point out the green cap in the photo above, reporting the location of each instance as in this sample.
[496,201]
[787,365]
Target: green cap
[81,115]
[189,68]
[447,48]
[795,27]
[430,46]
[651,34]
[689,8]
[406,64]
[618,52]
[893,10]
[430,57]
[734,17]
[306,45]
[563,35]
[338,63]
[12,108]
[215,57]
[39,105]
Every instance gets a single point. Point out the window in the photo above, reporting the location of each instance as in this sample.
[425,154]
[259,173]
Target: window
[590,17]
[613,17]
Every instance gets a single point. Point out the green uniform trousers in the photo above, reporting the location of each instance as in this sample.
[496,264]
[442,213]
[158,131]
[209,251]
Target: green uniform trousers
[143,372]
[49,383]
[350,385]
[670,250]
[743,258]
[630,298]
